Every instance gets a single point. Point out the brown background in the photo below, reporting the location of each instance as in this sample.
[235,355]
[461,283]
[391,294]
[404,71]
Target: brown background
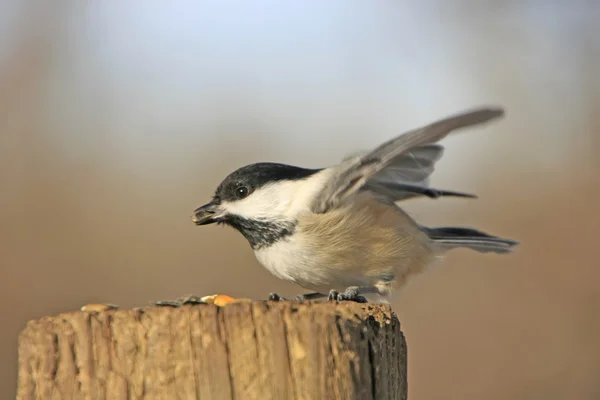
[117,119]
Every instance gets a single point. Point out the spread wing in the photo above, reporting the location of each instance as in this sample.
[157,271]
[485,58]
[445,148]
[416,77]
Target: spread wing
[407,176]
[352,174]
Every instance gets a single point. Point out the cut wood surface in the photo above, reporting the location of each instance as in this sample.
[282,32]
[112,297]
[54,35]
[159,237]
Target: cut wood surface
[259,350]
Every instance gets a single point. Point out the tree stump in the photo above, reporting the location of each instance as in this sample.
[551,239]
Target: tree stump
[259,350]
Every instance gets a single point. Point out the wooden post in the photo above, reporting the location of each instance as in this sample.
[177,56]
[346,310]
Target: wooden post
[260,350]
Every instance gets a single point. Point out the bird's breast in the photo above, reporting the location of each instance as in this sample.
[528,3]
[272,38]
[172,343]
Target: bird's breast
[362,244]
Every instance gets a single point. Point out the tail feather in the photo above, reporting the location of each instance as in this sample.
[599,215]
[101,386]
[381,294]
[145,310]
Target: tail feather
[454,237]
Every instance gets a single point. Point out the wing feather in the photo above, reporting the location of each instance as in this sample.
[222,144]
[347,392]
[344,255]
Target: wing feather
[353,173]
[402,191]
[413,167]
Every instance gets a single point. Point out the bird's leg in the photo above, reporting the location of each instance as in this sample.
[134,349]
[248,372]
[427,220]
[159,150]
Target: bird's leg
[180,301]
[300,297]
[351,293]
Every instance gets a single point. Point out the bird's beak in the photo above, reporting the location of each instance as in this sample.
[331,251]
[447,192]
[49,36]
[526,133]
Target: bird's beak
[206,214]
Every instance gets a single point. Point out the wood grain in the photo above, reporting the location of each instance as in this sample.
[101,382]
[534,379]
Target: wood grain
[254,350]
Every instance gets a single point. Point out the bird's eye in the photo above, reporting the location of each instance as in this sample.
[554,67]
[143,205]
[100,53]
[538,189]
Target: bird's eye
[241,192]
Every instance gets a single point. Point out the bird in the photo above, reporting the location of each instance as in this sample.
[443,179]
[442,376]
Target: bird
[339,231]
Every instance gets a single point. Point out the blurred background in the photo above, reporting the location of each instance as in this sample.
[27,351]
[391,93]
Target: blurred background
[118,118]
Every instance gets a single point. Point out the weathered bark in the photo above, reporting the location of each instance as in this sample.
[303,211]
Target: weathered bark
[244,351]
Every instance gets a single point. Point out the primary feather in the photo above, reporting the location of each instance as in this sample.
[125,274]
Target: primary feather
[352,174]
[414,166]
[407,176]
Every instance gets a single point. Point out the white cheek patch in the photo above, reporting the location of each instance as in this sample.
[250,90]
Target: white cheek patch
[266,202]
[278,200]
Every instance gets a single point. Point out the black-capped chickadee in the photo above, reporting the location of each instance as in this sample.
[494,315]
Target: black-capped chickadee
[337,230]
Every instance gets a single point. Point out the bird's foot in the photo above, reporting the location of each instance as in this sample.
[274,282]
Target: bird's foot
[180,301]
[299,298]
[351,293]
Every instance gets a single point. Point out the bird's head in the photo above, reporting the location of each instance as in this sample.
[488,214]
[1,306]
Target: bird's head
[261,199]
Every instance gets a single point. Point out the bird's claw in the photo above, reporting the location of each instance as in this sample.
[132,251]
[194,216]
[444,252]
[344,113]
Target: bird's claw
[351,293]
